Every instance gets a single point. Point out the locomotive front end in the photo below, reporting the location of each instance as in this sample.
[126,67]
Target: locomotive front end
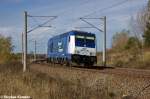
[83,48]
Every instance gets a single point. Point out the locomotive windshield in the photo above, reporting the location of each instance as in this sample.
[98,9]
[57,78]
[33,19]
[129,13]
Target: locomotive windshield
[85,41]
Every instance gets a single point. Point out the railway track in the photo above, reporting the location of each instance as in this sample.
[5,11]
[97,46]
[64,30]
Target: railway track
[136,73]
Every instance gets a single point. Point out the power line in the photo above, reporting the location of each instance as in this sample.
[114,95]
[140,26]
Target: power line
[105,8]
[72,8]
[42,16]
[93,26]
[42,25]
[35,21]
[110,7]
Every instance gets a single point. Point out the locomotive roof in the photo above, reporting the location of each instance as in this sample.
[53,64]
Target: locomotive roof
[74,32]
[80,31]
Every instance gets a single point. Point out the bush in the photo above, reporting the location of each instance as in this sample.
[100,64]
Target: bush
[5,49]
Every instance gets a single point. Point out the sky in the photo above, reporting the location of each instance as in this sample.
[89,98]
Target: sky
[118,12]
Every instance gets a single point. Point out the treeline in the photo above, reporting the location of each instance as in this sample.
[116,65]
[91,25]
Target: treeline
[123,41]
[132,48]
[126,39]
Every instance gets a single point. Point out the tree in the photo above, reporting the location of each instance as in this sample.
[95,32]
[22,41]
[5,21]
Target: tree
[5,49]
[133,43]
[144,22]
[146,35]
[120,40]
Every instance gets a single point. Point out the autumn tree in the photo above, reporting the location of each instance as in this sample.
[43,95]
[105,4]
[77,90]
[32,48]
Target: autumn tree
[133,43]
[5,49]
[120,40]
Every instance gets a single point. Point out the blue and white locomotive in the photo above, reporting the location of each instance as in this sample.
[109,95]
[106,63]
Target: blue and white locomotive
[73,47]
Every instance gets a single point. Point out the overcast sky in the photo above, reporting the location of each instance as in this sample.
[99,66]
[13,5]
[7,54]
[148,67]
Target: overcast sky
[118,12]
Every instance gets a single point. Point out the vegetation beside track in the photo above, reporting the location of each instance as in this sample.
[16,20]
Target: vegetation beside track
[40,86]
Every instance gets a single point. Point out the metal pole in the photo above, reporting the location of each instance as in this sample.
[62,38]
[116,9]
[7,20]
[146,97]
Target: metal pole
[25,42]
[35,51]
[104,43]
[22,45]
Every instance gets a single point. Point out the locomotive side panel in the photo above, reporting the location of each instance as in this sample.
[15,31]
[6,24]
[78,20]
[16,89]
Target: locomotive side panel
[58,48]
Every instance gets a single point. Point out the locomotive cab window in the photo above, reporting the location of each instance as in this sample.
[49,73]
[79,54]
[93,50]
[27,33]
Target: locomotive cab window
[85,41]
[90,38]
[90,41]
[80,37]
[79,40]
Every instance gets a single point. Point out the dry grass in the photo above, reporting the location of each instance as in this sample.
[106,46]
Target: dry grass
[63,83]
[112,86]
[128,59]
[41,86]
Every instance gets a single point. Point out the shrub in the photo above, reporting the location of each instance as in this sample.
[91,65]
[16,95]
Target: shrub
[5,49]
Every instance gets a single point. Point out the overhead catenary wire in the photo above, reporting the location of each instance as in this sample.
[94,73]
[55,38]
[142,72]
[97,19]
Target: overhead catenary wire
[102,10]
[60,14]
[42,16]
[106,8]
[42,25]
[91,24]
[35,21]
[85,2]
